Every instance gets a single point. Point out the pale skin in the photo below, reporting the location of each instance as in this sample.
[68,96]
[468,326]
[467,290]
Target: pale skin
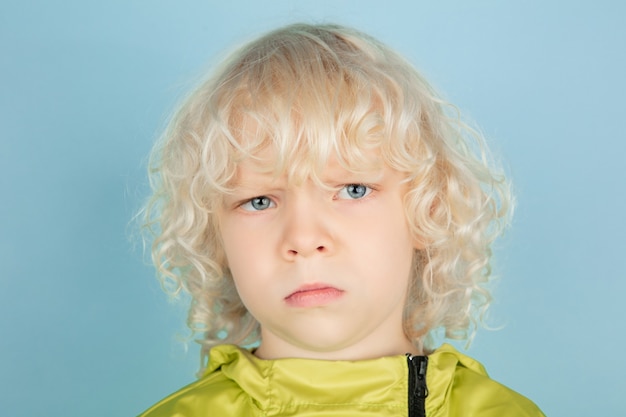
[324,270]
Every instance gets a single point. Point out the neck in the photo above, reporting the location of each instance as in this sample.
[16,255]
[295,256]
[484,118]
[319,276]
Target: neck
[278,349]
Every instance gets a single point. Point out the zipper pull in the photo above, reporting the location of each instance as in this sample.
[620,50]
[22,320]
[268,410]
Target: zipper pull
[418,391]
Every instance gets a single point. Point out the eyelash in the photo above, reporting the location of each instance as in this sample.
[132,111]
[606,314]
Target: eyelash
[248,205]
[368,191]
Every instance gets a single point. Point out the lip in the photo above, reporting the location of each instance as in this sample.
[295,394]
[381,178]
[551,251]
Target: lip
[313,295]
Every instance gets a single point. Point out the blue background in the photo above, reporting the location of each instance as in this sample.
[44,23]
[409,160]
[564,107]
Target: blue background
[84,90]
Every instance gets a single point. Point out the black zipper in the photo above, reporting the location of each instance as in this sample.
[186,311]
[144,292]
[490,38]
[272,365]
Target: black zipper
[418,391]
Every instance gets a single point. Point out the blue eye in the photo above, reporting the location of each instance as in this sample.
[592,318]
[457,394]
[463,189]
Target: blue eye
[258,204]
[354,191]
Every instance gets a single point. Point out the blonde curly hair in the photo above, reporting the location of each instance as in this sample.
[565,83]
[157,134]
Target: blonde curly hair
[308,92]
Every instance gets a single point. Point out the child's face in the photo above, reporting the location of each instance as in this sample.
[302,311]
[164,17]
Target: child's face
[324,271]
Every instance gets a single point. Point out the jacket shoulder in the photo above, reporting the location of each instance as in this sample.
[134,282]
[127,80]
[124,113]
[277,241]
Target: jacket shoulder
[212,395]
[461,387]
[488,398]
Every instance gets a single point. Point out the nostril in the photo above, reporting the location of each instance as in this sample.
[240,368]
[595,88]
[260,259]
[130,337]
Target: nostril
[292,253]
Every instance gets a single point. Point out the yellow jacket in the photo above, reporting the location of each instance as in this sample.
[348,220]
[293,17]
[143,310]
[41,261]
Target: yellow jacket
[236,383]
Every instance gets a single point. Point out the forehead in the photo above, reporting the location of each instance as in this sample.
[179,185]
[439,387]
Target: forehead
[299,140]
[265,166]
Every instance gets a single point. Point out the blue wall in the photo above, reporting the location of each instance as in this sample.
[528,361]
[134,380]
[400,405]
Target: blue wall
[85,87]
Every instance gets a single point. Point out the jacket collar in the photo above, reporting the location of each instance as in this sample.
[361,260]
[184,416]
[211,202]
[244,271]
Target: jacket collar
[296,383]
[276,385]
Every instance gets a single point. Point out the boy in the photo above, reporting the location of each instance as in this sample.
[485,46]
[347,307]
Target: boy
[317,201]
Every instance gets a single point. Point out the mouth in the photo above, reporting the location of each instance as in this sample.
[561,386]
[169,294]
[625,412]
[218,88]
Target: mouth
[313,295]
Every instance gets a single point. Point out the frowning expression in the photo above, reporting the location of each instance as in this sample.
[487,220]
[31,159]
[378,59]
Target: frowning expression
[325,267]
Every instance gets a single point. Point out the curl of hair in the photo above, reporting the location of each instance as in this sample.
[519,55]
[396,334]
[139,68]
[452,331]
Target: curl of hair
[308,92]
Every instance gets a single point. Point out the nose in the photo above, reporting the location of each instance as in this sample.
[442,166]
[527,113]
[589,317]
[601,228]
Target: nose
[306,229]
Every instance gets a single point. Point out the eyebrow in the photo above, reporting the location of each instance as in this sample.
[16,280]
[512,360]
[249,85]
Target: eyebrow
[257,181]
[251,178]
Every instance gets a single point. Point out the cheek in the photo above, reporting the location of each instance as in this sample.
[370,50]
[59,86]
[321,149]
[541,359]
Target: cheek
[235,249]
[248,258]
[397,249]
[387,249]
